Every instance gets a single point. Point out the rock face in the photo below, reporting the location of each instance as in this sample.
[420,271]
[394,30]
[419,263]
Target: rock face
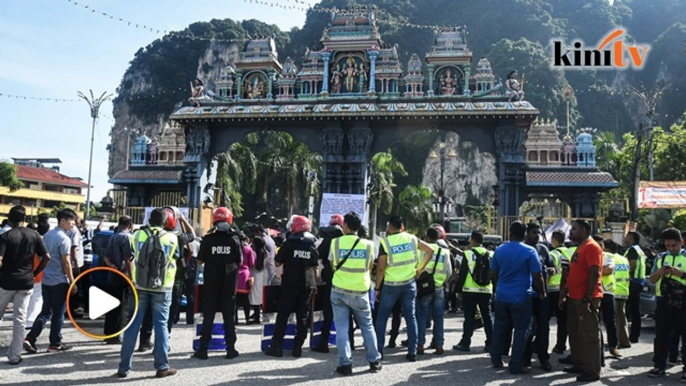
[468,178]
[217,56]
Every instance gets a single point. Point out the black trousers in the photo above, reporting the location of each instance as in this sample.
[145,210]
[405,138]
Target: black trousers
[116,319]
[667,317]
[189,291]
[214,301]
[540,331]
[607,312]
[293,300]
[560,316]
[469,302]
[633,310]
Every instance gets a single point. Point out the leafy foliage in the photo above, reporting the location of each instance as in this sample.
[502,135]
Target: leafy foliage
[381,171]
[8,177]
[416,208]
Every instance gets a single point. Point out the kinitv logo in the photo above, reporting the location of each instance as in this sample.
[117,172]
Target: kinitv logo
[612,53]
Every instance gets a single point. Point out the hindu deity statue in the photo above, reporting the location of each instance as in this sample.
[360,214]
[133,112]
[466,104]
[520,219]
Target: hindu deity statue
[350,73]
[336,80]
[448,82]
[362,78]
[197,93]
[515,91]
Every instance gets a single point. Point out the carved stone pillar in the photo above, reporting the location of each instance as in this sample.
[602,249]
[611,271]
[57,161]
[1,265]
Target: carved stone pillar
[466,91]
[360,140]
[332,138]
[509,142]
[196,160]
[372,72]
[270,79]
[239,83]
[326,56]
[430,91]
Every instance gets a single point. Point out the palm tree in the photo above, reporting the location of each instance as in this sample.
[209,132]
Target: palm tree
[381,170]
[607,147]
[236,170]
[416,207]
[287,163]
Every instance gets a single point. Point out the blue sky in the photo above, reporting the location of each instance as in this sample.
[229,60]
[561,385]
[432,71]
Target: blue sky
[52,48]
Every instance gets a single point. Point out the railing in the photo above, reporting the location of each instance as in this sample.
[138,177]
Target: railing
[44,195]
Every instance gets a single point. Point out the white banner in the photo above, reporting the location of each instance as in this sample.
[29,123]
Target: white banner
[336,203]
[148,210]
[662,195]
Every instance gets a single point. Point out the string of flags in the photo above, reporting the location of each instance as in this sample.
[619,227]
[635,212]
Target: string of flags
[3,95]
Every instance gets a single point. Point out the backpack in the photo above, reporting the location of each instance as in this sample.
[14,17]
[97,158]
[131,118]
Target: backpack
[482,269]
[151,263]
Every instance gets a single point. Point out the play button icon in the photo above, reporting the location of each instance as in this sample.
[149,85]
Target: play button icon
[100,302]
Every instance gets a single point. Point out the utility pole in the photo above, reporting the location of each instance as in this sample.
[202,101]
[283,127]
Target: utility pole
[94,104]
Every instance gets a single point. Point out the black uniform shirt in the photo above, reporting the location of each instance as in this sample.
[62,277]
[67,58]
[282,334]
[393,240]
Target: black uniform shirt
[222,253]
[17,248]
[298,254]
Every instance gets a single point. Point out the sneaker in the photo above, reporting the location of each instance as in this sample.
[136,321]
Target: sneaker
[122,375]
[232,354]
[58,347]
[439,351]
[14,363]
[297,351]
[144,346]
[166,373]
[30,346]
[657,373]
[274,351]
[411,358]
[375,367]
[461,347]
[345,370]
[200,354]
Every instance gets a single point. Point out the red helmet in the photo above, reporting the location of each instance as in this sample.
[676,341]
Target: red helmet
[222,214]
[170,224]
[440,229]
[301,224]
[336,219]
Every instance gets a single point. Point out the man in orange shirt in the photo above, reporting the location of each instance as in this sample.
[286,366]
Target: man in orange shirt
[585,293]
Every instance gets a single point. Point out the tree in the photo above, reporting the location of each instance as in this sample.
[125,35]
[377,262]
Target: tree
[8,177]
[416,208]
[236,170]
[381,170]
[607,148]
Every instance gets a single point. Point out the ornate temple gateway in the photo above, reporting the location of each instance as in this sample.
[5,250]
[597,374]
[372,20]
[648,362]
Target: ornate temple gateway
[352,98]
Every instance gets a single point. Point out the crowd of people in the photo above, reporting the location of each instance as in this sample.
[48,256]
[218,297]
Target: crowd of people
[513,291]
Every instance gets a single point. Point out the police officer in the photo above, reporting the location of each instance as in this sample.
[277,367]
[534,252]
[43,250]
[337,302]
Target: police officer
[432,306]
[559,254]
[622,278]
[397,269]
[473,295]
[299,258]
[221,252]
[669,277]
[607,305]
[351,259]
[637,263]
[328,234]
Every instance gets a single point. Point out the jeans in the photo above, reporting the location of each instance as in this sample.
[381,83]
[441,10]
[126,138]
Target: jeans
[54,306]
[634,310]
[470,301]
[20,302]
[540,329]
[429,307]
[519,314]
[560,316]
[389,296]
[607,312]
[158,303]
[343,305]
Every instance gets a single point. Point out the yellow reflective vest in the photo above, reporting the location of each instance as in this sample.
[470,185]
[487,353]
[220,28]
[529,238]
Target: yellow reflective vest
[557,254]
[353,277]
[169,242]
[402,258]
[439,276]
[670,260]
[608,281]
[640,269]
[469,283]
[622,276]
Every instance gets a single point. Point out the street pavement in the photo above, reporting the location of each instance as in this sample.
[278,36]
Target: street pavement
[92,362]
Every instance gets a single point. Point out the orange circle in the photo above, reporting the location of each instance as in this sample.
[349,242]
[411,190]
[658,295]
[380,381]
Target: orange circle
[131,317]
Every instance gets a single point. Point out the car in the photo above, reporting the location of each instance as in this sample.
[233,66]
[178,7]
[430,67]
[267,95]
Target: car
[462,239]
[99,244]
[648,298]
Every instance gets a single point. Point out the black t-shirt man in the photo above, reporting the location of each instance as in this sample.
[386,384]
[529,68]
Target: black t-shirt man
[17,248]
[222,253]
[298,254]
[328,234]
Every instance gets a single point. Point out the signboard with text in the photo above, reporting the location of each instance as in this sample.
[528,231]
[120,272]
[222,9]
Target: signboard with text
[337,203]
[662,194]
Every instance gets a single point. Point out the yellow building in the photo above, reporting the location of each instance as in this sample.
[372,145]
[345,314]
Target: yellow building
[44,188]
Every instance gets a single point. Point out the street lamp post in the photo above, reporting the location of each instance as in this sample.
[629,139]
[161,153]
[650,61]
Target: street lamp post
[94,104]
[443,201]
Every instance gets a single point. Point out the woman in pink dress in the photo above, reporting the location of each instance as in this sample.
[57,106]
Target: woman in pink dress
[245,281]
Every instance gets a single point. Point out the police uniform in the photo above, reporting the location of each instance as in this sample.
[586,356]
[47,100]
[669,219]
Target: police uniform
[670,312]
[399,284]
[350,295]
[432,306]
[329,235]
[474,295]
[607,305]
[299,256]
[636,283]
[154,299]
[622,278]
[560,256]
[222,253]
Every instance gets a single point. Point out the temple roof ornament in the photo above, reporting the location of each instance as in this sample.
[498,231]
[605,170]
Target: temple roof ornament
[543,145]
